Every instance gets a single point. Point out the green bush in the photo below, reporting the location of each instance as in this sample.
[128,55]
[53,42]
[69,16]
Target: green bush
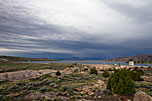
[44,89]
[58,73]
[136,68]
[67,88]
[121,83]
[140,72]
[57,99]
[54,85]
[135,76]
[107,92]
[85,69]
[14,87]
[46,76]
[106,74]
[110,69]
[93,71]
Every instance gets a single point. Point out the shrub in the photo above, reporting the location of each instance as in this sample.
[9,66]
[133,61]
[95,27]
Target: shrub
[140,72]
[29,88]
[1,96]
[20,84]
[110,69]
[34,79]
[58,73]
[14,87]
[67,88]
[135,68]
[58,80]
[93,71]
[57,99]
[107,92]
[44,89]
[121,83]
[52,84]
[46,76]
[85,69]
[106,74]
[135,76]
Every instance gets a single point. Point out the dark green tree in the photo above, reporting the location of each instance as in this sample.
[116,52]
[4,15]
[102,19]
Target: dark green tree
[105,73]
[129,85]
[140,72]
[58,73]
[135,76]
[93,71]
[121,82]
[120,87]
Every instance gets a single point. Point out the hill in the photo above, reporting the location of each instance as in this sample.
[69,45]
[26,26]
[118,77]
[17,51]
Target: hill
[13,58]
[137,58]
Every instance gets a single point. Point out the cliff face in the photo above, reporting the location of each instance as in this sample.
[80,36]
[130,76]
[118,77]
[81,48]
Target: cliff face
[134,58]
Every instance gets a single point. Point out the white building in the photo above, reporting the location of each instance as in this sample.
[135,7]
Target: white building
[131,63]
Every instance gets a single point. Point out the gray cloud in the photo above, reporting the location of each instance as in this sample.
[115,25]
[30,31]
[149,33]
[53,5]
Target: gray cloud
[93,29]
[140,11]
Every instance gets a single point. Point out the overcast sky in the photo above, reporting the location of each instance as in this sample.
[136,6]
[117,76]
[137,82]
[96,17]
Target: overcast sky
[75,28]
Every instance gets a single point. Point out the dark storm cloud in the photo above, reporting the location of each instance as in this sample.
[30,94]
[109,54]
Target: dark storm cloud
[49,28]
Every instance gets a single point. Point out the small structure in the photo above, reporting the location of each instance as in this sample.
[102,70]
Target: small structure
[131,63]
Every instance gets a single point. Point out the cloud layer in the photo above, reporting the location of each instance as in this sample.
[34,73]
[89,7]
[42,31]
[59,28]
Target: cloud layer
[75,28]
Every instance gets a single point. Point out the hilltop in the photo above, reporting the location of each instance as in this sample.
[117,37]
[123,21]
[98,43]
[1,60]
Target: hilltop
[137,58]
[14,58]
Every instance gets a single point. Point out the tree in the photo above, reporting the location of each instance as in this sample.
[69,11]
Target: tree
[93,71]
[121,82]
[106,74]
[58,73]
[120,87]
[130,86]
[140,72]
[135,76]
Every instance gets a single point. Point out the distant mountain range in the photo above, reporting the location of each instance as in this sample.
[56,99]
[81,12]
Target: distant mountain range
[137,58]
[13,58]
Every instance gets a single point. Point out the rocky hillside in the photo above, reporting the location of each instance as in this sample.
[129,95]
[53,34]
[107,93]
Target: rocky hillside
[13,58]
[138,58]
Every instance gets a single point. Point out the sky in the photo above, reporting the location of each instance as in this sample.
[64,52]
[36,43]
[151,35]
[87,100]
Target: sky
[87,29]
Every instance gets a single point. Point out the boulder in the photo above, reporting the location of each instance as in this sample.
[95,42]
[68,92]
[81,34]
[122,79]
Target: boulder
[147,78]
[100,84]
[142,96]
[34,95]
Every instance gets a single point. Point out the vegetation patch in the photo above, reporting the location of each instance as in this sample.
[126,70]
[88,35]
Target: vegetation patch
[93,71]
[106,74]
[121,83]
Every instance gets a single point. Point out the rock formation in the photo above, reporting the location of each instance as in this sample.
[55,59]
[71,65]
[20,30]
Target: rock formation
[142,96]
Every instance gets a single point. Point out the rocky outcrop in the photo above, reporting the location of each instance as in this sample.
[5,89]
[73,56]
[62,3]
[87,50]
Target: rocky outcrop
[142,96]
[101,85]
[85,90]
[147,78]
[27,74]
[47,95]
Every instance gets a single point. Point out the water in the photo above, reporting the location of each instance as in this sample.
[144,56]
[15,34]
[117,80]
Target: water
[86,62]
